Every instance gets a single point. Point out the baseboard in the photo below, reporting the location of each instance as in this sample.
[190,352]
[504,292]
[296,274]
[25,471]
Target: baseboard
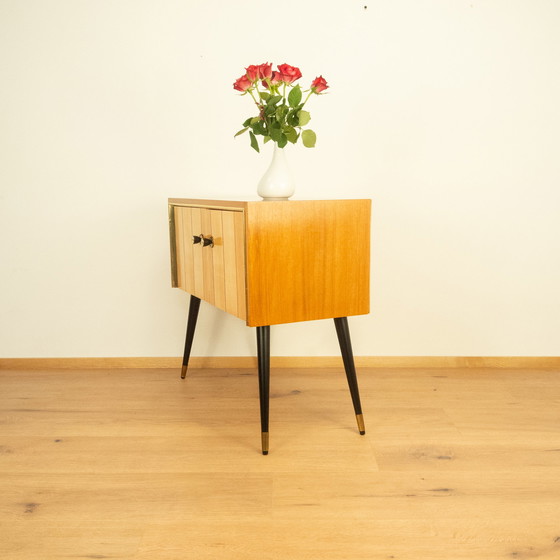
[538,362]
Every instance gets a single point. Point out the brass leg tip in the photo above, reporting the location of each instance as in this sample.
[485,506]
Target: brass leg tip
[361,425]
[183,372]
[264,443]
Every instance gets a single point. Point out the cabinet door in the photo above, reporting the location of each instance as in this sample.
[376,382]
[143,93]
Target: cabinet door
[214,273]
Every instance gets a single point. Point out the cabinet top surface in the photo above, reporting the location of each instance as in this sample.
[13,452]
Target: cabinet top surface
[239,203]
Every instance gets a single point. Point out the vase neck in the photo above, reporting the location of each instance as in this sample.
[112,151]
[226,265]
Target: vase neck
[278,152]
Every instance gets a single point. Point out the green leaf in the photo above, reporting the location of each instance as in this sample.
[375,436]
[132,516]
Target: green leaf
[266,139]
[292,119]
[259,128]
[294,97]
[274,99]
[254,143]
[269,110]
[309,138]
[241,131]
[291,134]
[275,131]
[264,95]
[281,113]
[304,117]
[248,121]
[282,141]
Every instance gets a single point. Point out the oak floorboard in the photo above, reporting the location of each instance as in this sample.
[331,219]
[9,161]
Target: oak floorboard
[458,464]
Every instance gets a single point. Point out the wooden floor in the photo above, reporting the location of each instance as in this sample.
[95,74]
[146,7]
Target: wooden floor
[136,464]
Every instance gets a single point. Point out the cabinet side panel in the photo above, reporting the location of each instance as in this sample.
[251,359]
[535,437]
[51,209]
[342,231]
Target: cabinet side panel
[173,238]
[217,253]
[307,260]
[178,241]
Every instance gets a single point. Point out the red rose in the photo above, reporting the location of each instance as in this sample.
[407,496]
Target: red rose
[265,70]
[289,73]
[252,72]
[274,79]
[242,84]
[319,84]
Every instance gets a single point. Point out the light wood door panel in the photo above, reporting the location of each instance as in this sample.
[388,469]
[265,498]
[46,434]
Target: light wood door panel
[215,274]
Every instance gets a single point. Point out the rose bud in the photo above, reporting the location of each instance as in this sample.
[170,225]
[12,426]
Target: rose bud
[319,84]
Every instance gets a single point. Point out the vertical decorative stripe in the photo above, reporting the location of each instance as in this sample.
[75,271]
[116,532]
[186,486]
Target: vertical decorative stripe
[230,263]
[217,253]
[196,224]
[239,226]
[207,260]
[188,276]
[179,250]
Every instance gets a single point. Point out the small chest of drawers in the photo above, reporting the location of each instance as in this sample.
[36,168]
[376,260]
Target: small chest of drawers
[274,262]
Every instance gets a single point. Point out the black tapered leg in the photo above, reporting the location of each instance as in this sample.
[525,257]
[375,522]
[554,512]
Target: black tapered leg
[263,353]
[191,325]
[343,333]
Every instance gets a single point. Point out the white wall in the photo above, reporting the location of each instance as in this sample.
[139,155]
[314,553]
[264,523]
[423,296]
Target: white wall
[445,113]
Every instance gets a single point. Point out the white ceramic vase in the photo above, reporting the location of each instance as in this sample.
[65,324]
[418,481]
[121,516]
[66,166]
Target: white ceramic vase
[277,183]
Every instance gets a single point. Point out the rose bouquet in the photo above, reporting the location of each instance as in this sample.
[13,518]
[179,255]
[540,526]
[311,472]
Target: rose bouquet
[281,116]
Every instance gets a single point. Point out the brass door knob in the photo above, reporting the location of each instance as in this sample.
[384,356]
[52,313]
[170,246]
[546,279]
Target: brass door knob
[207,241]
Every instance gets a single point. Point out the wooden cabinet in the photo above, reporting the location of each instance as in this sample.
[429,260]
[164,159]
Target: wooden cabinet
[274,262]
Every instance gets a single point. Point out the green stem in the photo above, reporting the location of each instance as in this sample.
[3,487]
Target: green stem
[251,93]
[308,96]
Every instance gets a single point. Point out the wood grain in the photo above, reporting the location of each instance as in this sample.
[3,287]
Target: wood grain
[217,253]
[233,205]
[307,260]
[174,234]
[133,464]
[240,265]
[198,265]
[434,362]
[184,251]
[230,264]
[178,281]
[207,258]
